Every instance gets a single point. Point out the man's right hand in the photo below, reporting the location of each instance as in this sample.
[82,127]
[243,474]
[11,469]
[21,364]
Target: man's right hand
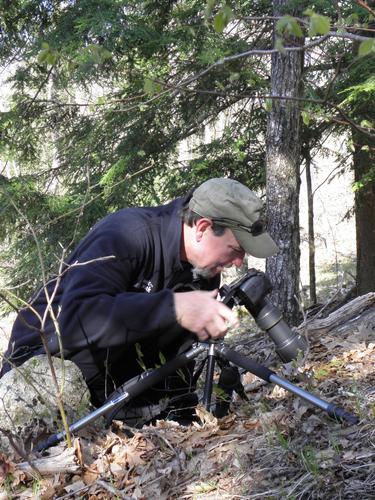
[202,314]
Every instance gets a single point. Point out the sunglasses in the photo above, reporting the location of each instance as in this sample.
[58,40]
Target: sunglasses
[257,228]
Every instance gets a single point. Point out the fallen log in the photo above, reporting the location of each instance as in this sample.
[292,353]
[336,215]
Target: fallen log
[358,315]
[65,463]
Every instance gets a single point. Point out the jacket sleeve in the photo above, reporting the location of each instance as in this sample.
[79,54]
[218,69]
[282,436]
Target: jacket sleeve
[96,306]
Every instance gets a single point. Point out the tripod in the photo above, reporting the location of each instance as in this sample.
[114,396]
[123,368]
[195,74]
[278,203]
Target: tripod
[250,291]
[125,393]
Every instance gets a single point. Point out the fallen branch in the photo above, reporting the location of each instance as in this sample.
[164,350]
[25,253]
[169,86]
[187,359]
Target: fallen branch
[349,316]
[65,463]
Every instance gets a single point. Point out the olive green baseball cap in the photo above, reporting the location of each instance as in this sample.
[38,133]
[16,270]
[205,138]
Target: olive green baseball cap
[231,204]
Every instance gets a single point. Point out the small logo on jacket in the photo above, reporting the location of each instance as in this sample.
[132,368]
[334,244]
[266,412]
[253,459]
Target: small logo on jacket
[146,285]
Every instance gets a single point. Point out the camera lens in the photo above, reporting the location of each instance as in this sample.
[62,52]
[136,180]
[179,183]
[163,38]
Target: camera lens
[288,343]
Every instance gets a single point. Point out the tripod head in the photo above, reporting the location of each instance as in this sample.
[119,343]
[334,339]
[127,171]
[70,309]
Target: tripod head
[250,291]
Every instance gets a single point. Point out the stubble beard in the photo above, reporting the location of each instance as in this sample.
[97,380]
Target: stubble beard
[203,272]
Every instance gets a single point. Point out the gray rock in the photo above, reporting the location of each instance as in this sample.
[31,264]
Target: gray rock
[28,400]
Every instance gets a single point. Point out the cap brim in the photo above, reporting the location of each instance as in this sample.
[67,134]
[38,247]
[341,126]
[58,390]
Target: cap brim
[257,246]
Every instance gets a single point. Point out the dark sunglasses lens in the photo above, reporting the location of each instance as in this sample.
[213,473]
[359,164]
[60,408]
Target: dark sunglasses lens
[258,227]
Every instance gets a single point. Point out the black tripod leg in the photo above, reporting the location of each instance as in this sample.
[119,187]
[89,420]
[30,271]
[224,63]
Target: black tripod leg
[128,391]
[207,394]
[270,376]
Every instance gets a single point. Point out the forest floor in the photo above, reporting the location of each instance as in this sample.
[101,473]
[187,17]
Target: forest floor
[274,446]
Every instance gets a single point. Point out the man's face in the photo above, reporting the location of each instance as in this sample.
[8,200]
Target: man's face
[214,253]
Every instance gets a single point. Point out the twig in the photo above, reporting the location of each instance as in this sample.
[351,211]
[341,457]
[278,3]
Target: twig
[113,490]
[74,493]
[21,453]
[162,438]
[365,6]
[301,480]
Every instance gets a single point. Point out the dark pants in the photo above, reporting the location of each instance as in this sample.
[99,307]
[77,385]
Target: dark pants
[106,369]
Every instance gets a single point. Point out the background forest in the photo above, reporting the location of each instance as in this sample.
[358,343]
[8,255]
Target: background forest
[103,95]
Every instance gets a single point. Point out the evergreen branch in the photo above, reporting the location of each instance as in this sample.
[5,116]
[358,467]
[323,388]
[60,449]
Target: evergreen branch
[363,4]
[304,23]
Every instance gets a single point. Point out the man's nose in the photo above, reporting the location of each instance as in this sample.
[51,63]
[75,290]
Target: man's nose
[238,261]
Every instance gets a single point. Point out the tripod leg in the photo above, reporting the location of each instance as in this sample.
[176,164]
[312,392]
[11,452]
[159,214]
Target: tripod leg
[207,394]
[128,391]
[270,376]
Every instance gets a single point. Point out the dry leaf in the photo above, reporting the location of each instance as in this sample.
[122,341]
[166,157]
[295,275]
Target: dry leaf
[46,489]
[116,468]
[227,422]
[78,450]
[101,465]
[90,475]
[299,407]
[135,451]
[72,488]
[205,416]
[6,467]
[251,424]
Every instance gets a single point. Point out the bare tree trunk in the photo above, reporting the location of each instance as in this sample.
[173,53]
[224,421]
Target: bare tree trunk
[311,232]
[363,162]
[283,182]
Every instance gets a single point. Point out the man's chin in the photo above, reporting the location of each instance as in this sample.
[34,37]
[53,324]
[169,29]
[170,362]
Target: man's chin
[206,272]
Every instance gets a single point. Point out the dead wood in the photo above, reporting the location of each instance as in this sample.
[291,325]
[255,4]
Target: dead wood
[65,463]
[356,315]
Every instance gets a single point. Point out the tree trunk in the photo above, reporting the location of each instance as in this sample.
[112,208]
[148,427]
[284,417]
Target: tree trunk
[283,182]
[311,232]
[363,162]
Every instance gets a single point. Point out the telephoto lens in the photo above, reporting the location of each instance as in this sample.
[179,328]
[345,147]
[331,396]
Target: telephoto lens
[288,343]
[250,291]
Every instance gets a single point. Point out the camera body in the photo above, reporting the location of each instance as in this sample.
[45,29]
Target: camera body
[250,291]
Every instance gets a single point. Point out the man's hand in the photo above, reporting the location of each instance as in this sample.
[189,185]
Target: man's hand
[203,315]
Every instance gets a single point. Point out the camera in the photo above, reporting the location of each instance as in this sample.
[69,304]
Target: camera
[250,291]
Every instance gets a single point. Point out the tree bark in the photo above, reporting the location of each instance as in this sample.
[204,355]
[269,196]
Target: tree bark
[311,231]
[283,182]
[363,163]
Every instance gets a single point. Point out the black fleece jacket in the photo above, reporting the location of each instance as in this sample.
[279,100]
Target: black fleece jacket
[115,289]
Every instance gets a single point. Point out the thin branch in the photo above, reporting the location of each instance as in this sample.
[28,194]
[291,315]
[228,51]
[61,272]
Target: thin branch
[363,4]
[126,178]
[21,452]
[39,89]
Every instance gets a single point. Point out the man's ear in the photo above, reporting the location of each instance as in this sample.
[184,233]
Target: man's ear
[201,227]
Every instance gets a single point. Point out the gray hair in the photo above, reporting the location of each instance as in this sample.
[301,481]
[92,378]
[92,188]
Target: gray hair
[190,218]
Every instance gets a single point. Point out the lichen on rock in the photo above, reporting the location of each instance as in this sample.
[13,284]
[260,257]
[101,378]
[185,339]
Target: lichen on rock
[28,399]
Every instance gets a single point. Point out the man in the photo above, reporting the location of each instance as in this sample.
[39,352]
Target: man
[139,283]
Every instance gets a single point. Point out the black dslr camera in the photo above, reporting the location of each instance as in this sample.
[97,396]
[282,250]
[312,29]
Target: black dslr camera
[250,291]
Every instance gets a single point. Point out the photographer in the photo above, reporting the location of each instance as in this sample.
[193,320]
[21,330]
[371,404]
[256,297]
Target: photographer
[140,282]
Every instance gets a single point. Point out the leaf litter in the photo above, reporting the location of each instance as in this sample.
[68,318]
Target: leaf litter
[274,446]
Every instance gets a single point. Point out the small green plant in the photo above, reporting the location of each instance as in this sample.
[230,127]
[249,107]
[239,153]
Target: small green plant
[36,488]
[140,356]
[310,460]
[220,393]
[275,436]
[357,400]
[264,406]
[247,408]
[7,485]
[281,438]
[204,487]
[321,373]
[336,446]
